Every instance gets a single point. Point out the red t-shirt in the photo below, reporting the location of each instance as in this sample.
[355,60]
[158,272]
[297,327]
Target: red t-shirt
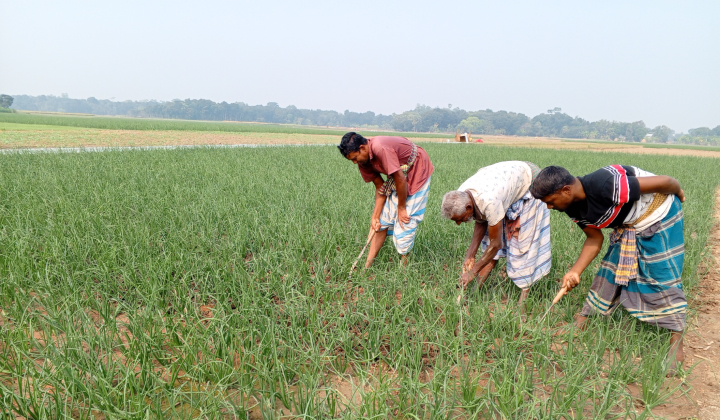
[388,153]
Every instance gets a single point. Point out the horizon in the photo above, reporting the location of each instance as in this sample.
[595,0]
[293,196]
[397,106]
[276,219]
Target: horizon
[648,61]
[676,132]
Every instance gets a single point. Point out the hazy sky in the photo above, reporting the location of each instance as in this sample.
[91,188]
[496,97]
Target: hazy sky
[657,61]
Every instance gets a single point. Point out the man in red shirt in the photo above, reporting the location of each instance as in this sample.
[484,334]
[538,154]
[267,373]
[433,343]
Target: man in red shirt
[400,199]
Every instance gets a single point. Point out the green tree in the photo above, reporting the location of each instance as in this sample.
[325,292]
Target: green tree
[6,101]
[636,131]
[700,132]
[475,125]
[661,134]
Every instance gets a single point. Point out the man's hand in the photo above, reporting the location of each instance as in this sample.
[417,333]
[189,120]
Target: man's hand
[375,224]
[467,265]
[403,217]
[570,280]
[681,196]
[466,279]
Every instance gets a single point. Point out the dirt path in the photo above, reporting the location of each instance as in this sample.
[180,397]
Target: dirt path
[702,343]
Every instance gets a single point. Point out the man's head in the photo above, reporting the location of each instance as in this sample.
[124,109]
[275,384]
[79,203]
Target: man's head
[553,186]
[355,148]
[457,206]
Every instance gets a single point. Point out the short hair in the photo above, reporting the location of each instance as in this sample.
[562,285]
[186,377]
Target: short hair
[549,181]
[454,203]
[351,142]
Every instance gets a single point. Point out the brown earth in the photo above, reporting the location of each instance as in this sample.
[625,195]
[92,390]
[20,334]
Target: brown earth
[11,139]
[565,144]
[702,343]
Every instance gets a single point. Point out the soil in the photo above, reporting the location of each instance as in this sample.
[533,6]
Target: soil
[563,144]
[702,344]
[70,137]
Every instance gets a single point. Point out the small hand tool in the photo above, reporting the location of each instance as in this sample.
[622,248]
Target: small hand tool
[560,294]
[370,237]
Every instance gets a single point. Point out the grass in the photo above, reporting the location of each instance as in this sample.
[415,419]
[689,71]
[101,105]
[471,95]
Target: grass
[124,123]
[212,283]
[4,126]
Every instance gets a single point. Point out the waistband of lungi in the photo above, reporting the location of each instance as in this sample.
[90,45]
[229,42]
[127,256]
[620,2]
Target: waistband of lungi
[628,263]
[389,185]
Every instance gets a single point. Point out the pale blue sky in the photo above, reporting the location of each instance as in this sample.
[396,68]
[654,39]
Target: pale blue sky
[657,61]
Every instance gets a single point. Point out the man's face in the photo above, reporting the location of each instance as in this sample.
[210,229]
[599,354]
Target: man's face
[464,217]
[361,157]
[559,200]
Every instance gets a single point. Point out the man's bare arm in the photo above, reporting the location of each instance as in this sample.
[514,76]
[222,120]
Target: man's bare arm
[495,233]
[591,248]
[379,204]
[661,184]
[401,187]
[478,233]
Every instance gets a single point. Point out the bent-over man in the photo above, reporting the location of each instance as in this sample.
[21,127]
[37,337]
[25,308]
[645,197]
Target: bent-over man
[401,197]
[643,265]
[509,223]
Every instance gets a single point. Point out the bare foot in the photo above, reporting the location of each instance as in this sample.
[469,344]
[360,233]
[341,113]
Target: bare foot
[676,355]
[580,322]
[523,296]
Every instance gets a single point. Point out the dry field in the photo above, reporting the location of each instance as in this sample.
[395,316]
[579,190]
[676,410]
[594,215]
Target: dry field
[28,136]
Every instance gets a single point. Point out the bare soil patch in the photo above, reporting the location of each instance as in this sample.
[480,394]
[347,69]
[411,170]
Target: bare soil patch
[560,144]
[65,137]
[702,343]
[136,138]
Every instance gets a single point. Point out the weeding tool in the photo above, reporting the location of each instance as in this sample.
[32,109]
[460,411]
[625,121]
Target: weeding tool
[372,235]
[559,296]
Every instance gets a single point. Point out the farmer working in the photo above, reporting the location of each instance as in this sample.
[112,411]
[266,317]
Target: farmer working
[642,267]
[509,223]
[400,199]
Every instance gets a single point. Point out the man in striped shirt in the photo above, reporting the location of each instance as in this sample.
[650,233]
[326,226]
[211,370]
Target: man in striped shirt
[643,265]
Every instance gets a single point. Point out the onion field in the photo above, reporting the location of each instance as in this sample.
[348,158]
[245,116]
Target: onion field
[213,283]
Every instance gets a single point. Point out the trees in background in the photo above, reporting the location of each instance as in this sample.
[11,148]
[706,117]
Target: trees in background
[6,101]
[661,134]
[51,103]
[703,136]
[553,123]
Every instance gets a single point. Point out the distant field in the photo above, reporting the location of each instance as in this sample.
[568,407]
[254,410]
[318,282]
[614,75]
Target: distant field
[649,145]
[33,131]
[83,137]
[122,123]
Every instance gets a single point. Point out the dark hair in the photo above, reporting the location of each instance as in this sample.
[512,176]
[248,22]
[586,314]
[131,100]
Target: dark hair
[550,180]
[351,142]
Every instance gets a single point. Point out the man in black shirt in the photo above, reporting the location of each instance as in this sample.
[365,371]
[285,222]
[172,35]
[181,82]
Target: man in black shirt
[643,265]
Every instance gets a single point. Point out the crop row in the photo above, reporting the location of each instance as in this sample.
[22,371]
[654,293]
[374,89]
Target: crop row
[213,283]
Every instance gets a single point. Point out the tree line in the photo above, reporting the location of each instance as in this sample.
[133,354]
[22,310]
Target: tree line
[553,123]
